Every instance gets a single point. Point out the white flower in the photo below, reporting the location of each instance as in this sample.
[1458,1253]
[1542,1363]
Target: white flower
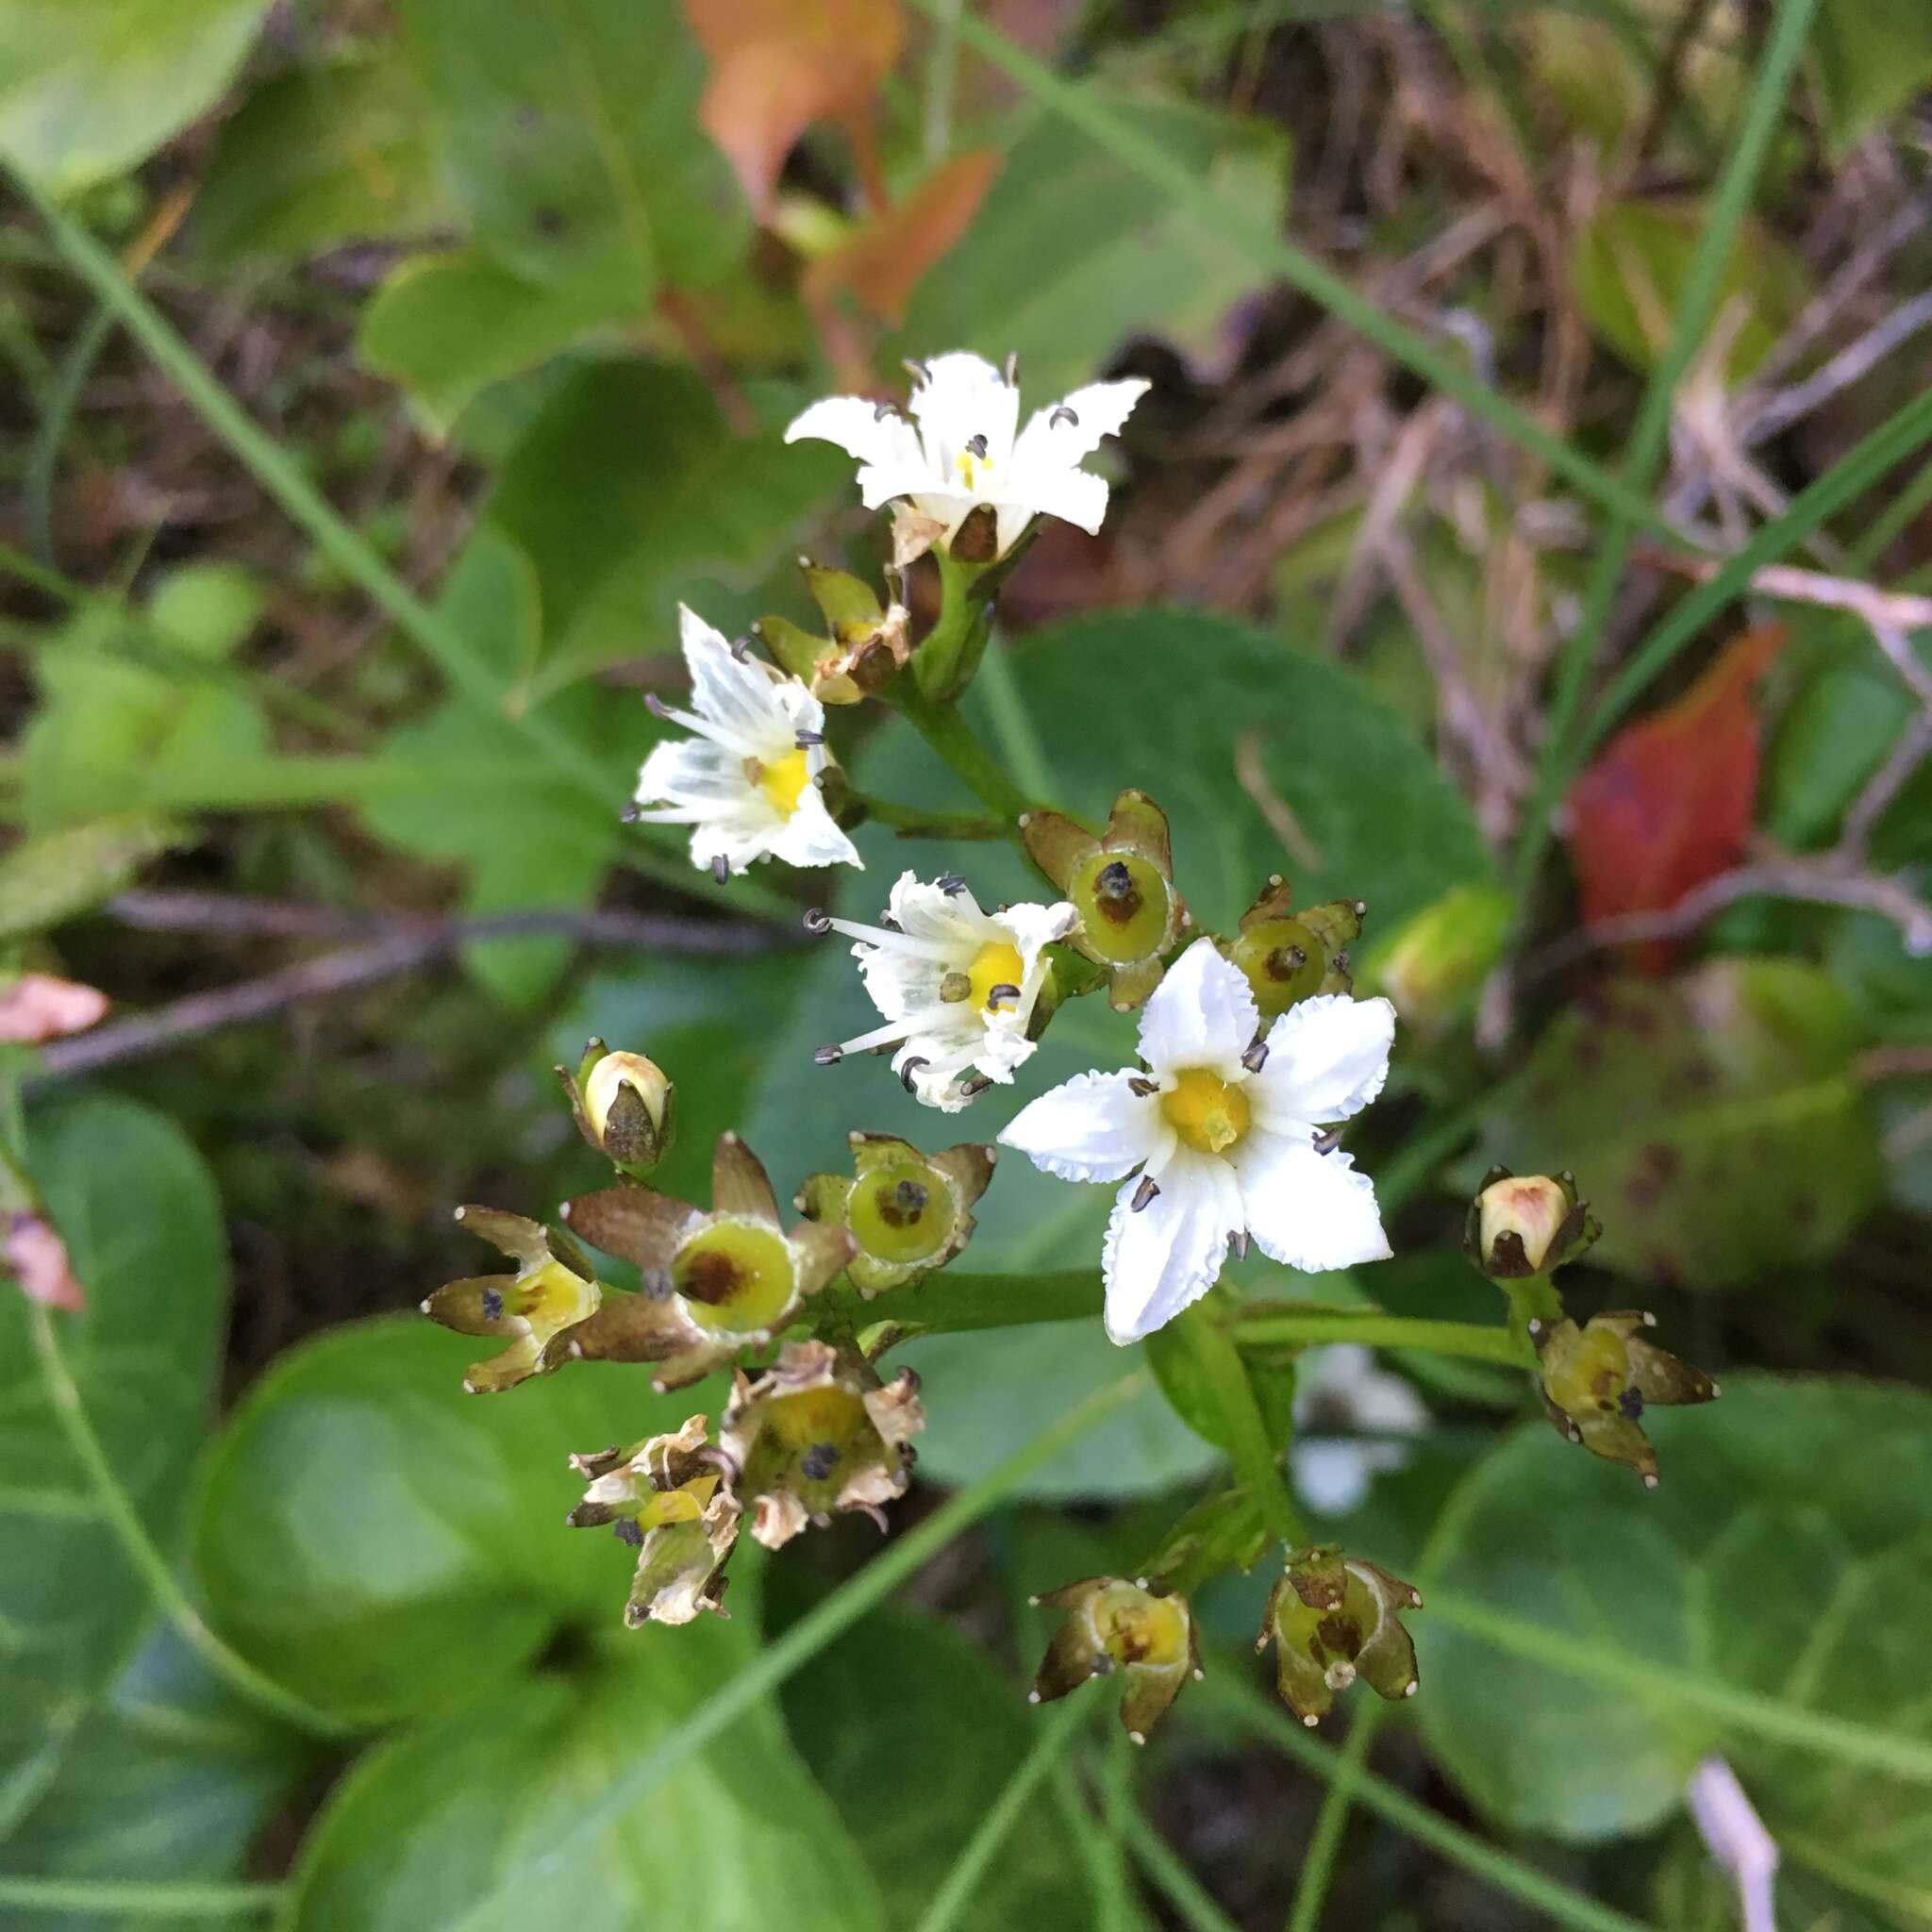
[957,986]
[1223,1132]
[1340,1387]
[747,781]
[964,452]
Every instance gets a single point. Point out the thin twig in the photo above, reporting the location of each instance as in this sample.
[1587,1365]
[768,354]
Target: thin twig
[1856,359]
[1885,784]
[1895,610]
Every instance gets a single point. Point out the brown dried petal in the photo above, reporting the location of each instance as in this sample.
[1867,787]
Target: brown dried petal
[740,1185]
[635,1223]
[1139,825]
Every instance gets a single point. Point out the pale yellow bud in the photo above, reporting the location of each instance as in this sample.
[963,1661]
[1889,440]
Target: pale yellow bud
[1531,1207]
[612,1075]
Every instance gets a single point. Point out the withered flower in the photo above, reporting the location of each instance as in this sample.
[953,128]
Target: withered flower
[667,1497]
[1288,958]
[866,647]
[1122,884]
[553,1290]
[908,1214]
[1333,1619]
[713,1284]
[1521,1225]
[625,1106]
[819,1433]
[1111,1623]
[1597,1379]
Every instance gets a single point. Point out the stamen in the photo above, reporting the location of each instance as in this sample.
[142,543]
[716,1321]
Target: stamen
[1004,990]
[1142,1087]
[720,869]
[828,1055]
[1327,1142]
[1062,413]
[976,446]
[971,1090]
[655,706]
[1257,1057]
[1145,1193]
[740,649]
[818,922]
[916,369]
[951,884]
[911,1068]
[1241,1245]
[1013,370]
[628,1531]
[885,410]
[806,739]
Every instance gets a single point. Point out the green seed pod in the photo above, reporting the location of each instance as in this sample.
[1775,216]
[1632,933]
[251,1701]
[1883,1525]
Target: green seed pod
[1287,958]
[1121,884]
[1598,1379]
[1148,1635]
[1434,967]
[907,1213]
[1333,1619]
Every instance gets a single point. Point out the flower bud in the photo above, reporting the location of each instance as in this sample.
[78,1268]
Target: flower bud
[908,1214]
[553,1292]
[1288,958]
[1521,1225]
[816,1434]
[625,1106]
[1122,885]
[1597,1379]
[1434,967]
[667,1497]
[1113,1624]
[1333,1619]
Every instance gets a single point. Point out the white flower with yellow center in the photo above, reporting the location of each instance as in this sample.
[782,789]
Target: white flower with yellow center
[957,986]
[963,446]
[746,781]
[1224,1134]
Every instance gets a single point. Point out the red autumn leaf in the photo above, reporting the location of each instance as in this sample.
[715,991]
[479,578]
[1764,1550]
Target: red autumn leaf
[882,263]
[779,65]
[1667,804]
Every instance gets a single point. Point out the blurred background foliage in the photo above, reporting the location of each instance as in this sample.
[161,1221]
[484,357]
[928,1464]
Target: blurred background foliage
[318,741]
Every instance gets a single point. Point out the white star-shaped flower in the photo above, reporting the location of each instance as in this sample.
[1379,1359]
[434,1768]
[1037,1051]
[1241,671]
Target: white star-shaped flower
[1341,1388]
[957,986]
[747,780]
[962,449]
[1222,1131]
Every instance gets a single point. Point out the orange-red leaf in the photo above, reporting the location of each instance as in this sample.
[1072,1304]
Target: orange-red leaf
[882,263]
[779,65]
[1667,804]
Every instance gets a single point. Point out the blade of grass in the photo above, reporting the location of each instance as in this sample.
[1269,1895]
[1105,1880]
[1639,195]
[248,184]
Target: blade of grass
[1478,1340]
[803,1641]
[1274,255]
[1331,1821]
[1645,454]
[1513,1876]
[137,1898]
[1131,1826]
[978,1852]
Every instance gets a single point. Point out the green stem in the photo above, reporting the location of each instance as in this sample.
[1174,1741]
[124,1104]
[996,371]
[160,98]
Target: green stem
[949,734]
[1013,725]
[70,1412]
[776,1661]
[1258,1460]
[956,1889]
[1512,1875]
[137,1898]
[1331,1821]
[955,1303]
[915,821]
[1532,1299]
[1703,288]
[1478,1340]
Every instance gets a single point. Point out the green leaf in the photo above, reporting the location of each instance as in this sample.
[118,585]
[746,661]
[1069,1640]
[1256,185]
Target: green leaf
[1185,694]
[1785,1554]
[901,1682]
[630,486]
[86,91]
[1633,259]
[58,874]
[338,151]
[737,1836]
[169,1778]
[1874,55]
[1714,1121]
[1056,265]
[145,1357]
[383,1543]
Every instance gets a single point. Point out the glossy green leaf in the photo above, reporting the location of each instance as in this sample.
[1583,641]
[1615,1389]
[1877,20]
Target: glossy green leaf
[169,1778]
[88,90]
[1785,1554]
[737,1836]
[1184,691]
[1633,259]
[1714,1121]
[903,1687]
[383,1543]
[1873,56]
[338,151]
[1055,262]
[629,487]
[145,1357]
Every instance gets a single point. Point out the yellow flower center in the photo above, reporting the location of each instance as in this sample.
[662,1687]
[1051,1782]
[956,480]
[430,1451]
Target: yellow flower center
[783,781]
[972,468]
[1135,1627]
[553,1298]
[1208,1112]
[735,1277]
[995,964]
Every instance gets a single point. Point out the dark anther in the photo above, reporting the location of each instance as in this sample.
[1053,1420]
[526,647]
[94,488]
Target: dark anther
[719,871]
[1341,962]
[1114,882]
[1630,1405]
[828,1055]
[819,1461]
[1257,1057]
[818,922]
[628,1530]
[1136,1085]
[917,370]
[949,884]
[911,1068]
[492,1305]
[887,923]
[971,1090]
[631,814]
[976,446]
[1327,1142]
[998,995]
[1061,413]
[885,410]
[1012,369]
[806,739]
[740,649]
[902,1205]
[655,706]
[1148,1188]
[1102,1665]
[1241,1245]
